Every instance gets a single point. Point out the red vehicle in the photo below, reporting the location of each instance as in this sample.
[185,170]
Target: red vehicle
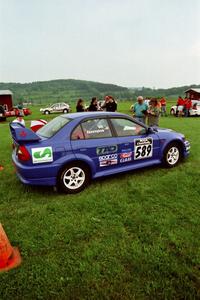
[15,111]
[6,106]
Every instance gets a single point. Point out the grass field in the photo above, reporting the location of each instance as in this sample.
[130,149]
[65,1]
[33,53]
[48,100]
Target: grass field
[131,236]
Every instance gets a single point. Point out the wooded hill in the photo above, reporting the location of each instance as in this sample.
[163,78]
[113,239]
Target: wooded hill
[63,90]
[69,90]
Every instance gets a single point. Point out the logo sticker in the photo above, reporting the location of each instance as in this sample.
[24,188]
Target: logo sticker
[106,150]
[42,155]
[23,133]
[125,156]
[108,160]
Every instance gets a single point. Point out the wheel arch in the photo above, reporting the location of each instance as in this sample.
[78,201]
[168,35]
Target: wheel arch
[174,141]
[77,161]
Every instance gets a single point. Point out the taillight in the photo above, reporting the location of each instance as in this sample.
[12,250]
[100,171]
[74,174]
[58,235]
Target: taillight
[23,153]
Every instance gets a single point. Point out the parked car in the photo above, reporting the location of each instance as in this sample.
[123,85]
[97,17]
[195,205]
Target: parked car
[13,112]
[56,108]
[2,113]
[16,112]
[72,149]
[194,111]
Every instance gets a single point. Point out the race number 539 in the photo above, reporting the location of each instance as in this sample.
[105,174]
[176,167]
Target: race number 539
[143,148]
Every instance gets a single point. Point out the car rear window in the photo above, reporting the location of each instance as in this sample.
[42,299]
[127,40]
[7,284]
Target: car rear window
[53,127]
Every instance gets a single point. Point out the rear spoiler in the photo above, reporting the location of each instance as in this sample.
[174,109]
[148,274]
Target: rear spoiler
[22,134]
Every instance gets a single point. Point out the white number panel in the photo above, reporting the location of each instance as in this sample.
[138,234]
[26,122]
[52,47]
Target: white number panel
[143,148]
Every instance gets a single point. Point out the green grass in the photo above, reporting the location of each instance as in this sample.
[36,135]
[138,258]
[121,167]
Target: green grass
[131,236]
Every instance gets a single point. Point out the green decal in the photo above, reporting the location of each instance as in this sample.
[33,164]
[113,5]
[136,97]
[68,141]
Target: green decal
[41,154]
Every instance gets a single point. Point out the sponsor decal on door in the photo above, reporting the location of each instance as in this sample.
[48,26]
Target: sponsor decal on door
[107,160]
[106,149]
[125,156]
[143,148]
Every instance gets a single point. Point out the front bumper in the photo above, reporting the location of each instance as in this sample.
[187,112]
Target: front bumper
[186,148]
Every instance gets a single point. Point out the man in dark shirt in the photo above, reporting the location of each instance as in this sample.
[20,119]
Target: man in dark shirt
[93,105]
[111,105]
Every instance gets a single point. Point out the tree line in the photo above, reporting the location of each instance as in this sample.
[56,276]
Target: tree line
[69,90]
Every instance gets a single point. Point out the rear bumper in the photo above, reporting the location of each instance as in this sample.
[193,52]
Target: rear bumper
[40,181]
[37,175]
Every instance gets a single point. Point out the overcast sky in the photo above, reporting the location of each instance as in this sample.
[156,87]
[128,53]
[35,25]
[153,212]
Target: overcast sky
[132,43]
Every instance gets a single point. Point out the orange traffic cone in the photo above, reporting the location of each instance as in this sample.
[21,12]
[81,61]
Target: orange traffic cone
[9,256]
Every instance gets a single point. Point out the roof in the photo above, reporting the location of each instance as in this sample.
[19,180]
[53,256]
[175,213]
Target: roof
[5,92]
[194,90]
[91,114]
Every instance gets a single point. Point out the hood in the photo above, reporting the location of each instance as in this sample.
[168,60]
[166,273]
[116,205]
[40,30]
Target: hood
[164,130]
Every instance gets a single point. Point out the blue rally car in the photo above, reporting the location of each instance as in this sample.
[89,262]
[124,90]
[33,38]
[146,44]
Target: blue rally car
[72,149]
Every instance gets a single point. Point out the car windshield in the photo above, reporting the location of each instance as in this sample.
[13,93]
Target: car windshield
[53,127]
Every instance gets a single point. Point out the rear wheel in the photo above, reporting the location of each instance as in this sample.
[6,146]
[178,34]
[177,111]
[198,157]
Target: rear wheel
[74,178]
[65,111]
[172,155]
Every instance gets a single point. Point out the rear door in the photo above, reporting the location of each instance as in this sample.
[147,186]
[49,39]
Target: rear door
[93,140]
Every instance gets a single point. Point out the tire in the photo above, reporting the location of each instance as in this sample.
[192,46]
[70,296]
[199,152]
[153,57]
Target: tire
[46,112]
[172,155]
[65,111]
[172,112]
[2,119]
[74,178]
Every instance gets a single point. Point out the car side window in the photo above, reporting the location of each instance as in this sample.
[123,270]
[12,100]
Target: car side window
[125,127]
[96,128]
[77,133]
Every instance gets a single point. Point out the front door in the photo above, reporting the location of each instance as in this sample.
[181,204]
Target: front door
[135,145]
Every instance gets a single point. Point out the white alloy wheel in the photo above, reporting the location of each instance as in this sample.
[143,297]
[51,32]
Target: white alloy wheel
[172,155]
[73,178]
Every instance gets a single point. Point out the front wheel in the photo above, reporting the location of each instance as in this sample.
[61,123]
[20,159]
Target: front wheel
[65,111]
[46,112]
[172,155]
[74,178]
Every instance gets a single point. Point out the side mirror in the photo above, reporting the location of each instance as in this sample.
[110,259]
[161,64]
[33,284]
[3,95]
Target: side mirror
[151,130]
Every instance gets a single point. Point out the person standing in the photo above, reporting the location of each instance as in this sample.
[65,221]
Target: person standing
[140,110]
[180,106]
[163,104]
[187,107]
[93,105]
[110,104]
[19,120]
[153,113]
[80,105]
